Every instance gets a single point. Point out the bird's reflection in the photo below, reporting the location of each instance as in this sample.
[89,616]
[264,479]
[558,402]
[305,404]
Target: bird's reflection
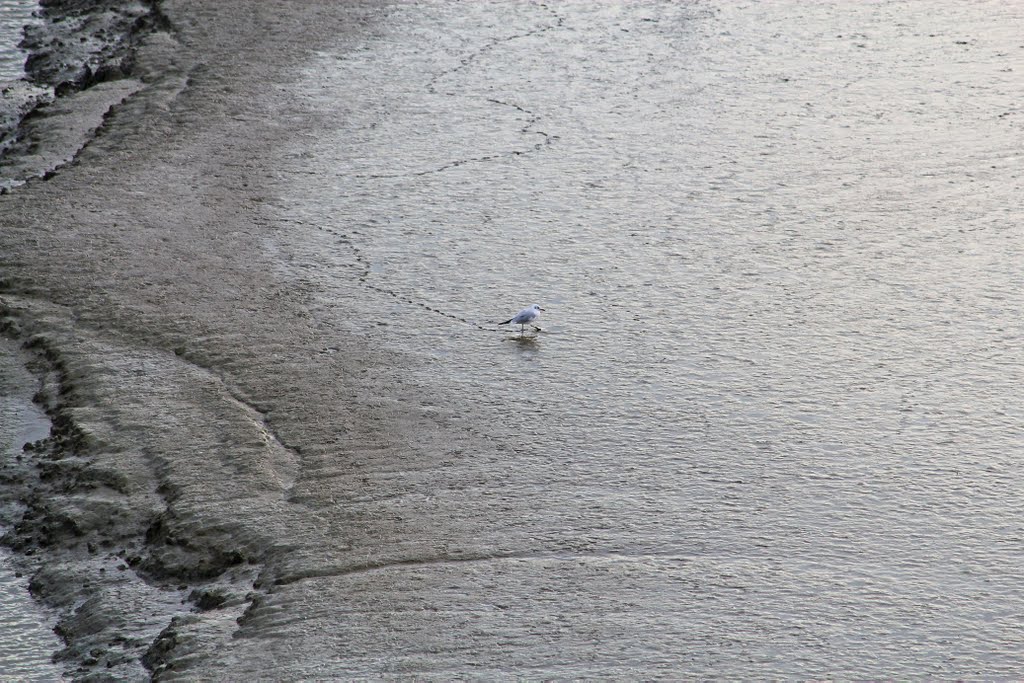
[525,342]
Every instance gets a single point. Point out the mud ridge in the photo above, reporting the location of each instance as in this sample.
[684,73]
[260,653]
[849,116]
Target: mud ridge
[104,546]
[77,47]
[369,566]
[582,553]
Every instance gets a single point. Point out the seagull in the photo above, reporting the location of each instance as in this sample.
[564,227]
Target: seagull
[527,315]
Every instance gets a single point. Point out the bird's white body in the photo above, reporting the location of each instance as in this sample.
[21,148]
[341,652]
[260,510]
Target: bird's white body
[525,316]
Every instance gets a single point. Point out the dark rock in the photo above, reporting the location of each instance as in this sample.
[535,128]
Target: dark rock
[208,599]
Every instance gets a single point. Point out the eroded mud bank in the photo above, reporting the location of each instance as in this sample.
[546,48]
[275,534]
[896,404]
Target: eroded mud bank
[98,519]
[81,57]
[130,258]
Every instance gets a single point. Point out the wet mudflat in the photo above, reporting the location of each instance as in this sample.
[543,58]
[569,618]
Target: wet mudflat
[28,641]
[770,428]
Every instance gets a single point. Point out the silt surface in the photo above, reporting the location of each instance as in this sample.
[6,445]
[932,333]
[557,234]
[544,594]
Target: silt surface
[771,425]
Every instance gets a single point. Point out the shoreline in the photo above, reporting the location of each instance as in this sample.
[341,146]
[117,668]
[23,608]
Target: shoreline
[79,65]
[28,649]
[133,541]
[74,541]
[80,59]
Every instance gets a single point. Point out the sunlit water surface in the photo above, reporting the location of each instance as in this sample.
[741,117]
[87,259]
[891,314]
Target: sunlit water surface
[780,388]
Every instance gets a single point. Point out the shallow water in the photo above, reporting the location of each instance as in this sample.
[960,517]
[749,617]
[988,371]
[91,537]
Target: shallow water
[773,422]
[17,95]
[28,641]
[14,14]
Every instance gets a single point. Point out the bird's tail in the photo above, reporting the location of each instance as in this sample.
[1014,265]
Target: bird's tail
[506,322]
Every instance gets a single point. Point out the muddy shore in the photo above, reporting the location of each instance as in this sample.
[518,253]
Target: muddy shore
[770,429]
[181,367]
[74,46]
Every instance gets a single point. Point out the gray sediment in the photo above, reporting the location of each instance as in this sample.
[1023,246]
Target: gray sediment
[81,57]
[153,513]
[80,62]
